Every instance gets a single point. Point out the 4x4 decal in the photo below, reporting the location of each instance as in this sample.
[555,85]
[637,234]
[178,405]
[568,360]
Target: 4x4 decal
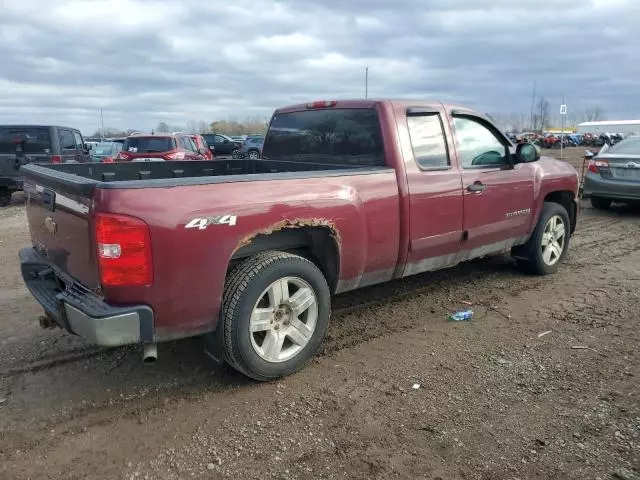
[203,222]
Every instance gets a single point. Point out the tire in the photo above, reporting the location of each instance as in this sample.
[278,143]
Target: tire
[254,155]
[533,257]
[5,197]
[600,203]
[283,341]
[235,153]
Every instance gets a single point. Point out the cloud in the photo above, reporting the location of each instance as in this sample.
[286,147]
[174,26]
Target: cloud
[146,61]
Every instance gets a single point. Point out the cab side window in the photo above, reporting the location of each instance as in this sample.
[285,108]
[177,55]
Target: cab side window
[477,144]
[428,142]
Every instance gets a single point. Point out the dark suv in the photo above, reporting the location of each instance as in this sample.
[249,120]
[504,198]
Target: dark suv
[160,147]
[222,144]
[22,144]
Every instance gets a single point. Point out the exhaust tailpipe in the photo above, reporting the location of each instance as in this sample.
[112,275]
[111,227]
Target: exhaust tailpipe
[149,353]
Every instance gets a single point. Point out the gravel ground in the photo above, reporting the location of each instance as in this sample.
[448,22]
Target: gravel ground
[495,399]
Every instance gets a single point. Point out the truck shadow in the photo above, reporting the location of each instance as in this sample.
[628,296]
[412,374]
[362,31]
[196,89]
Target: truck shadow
[183,370]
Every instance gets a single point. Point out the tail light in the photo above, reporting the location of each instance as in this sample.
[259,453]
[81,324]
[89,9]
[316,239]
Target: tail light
[594,166]
[107,160]
[322,104]
[174,156]
[56,159]
[123,156]
[124,251]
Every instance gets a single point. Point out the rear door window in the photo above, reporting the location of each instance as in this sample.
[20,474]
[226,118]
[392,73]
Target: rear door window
[24,140]
[343,136]
[427,141]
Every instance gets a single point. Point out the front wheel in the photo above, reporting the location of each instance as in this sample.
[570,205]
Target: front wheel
[549,242]
[276,310]
[235,153]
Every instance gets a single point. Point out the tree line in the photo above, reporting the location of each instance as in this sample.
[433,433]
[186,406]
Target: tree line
[248,126]
[540,118]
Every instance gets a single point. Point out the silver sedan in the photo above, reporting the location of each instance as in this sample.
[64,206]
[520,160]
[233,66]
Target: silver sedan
[613,175]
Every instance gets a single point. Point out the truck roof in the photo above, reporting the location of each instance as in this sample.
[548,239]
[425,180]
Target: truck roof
[370,103]
[35,125]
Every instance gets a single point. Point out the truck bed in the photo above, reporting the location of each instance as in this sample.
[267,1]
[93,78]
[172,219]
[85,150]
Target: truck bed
[81,179]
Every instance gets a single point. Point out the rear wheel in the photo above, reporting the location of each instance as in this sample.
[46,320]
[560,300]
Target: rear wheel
[5,197]
[235,153]
[253,155]
[600,203]
[276,310]
[549,242]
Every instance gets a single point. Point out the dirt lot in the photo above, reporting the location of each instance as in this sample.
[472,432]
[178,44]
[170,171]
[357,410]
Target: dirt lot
[496,399]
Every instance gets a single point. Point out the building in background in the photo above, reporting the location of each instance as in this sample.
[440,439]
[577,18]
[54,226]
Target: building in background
[610,126]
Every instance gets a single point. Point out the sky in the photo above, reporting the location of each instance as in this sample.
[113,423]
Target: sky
[146,61]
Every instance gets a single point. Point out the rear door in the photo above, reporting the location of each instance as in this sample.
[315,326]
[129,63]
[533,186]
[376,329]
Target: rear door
[498,196]
[68,149]
[20,145]
[435,188]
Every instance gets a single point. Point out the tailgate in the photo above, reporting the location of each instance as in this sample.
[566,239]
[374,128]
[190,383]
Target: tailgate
[61,227]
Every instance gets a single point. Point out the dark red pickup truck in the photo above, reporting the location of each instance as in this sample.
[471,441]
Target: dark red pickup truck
[249,252]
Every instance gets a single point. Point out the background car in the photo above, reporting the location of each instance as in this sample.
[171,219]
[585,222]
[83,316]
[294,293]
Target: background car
[201,143]
[222,144]
[105,152]
[252,148]
[614,174]
[159,147]
[22,144]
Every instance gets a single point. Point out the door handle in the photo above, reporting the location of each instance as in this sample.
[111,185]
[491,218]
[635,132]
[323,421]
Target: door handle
[476,187]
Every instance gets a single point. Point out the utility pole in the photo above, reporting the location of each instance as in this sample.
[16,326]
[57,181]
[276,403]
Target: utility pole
[533,101]
[366,82]
[102,127]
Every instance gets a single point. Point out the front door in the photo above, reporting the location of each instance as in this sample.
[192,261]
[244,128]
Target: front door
[81,155]
[68,149]
[498,195]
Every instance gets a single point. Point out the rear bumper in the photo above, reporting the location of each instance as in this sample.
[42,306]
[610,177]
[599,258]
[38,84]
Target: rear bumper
[80,311]
[596,186]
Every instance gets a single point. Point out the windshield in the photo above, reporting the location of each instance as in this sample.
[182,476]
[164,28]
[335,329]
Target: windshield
[24,140]
[149,144]
[629,146]
[350,136]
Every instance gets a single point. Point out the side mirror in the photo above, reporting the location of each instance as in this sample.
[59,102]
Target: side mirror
[527,152]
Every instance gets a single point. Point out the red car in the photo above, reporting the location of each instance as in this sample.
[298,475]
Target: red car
[202,146]
[160,147]
[248,253]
